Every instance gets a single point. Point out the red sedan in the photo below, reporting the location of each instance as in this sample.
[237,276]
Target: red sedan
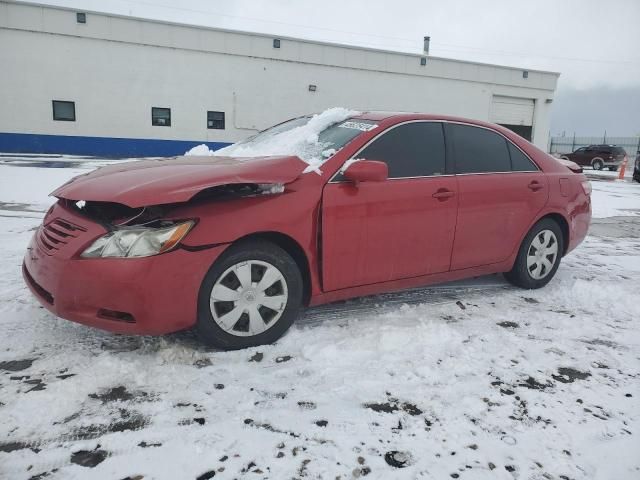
[363,204]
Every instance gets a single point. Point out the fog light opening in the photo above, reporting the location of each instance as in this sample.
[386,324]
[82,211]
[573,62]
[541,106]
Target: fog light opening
[115,315]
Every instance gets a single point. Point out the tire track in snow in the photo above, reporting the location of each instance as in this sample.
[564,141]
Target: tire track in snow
[390,302]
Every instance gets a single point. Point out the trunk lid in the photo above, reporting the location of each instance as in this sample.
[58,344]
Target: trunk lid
[573,166]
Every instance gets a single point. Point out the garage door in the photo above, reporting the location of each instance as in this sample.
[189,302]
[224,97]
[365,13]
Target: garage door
[512,111]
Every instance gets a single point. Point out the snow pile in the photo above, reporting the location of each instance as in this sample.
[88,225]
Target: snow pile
[302,141]
[612,199]
[472,380]
[200,151]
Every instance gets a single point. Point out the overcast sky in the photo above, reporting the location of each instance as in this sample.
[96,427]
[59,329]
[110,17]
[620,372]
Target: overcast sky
[594,44]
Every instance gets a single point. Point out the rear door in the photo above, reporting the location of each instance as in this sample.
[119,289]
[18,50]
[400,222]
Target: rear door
[399,228]
[500,193]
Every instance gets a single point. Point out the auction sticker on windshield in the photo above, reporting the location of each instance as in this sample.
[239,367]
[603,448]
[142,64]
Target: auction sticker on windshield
[365,127]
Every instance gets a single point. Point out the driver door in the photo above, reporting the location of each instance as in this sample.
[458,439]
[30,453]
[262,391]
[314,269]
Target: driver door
[399,228]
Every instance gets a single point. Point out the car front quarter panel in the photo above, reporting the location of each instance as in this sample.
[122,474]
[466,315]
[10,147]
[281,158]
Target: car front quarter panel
[293,213]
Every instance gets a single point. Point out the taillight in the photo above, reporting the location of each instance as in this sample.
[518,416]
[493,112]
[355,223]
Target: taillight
[586,187]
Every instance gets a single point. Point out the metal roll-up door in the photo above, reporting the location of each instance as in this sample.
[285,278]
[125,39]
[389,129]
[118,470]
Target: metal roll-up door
[514,113]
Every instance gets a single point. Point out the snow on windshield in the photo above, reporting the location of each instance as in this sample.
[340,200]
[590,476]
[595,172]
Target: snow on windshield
[308,138]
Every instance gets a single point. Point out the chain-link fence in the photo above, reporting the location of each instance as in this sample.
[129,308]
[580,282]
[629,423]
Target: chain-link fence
[569,144]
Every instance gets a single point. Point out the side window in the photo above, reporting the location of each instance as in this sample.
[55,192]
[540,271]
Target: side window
[519,161]
[478,150]
[411,150]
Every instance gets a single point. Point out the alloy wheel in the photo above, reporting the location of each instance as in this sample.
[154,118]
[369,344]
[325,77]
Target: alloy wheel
[542,254]
[248,298]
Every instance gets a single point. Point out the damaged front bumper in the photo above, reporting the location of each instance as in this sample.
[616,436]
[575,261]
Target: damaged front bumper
[150,295]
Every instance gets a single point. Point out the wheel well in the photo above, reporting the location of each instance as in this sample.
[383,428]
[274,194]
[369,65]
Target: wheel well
[294,249]
[596,159]
[564,226]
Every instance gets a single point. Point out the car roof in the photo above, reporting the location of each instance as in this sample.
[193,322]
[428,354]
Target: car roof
[407,116]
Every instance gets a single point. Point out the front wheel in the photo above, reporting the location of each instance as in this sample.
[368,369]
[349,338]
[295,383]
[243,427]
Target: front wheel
[539,256]
[597,164]
[250,296]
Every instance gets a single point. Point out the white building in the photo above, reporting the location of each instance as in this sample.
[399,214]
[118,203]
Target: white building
[95,83]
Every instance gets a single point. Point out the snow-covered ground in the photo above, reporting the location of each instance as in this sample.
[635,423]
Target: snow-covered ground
[475,379]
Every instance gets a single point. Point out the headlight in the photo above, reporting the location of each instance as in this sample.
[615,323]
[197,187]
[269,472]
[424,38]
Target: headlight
[131,242]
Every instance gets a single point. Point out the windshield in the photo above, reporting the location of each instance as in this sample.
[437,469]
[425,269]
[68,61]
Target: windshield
[312,138]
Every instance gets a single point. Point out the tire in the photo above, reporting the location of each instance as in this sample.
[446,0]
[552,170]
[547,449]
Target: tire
[258,256]
[597,164]
[520,275]
[613,169]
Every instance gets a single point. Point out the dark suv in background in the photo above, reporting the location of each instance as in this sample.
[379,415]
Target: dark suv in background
[598,156]
[636,170]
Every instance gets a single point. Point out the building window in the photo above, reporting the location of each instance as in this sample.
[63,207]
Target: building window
[525,74]
[64,111]
[161,117]
[276,43]
[423,61]
[81,17]
[215,120]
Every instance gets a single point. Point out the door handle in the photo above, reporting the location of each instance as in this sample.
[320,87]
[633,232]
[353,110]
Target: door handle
[443,194]
[535,186]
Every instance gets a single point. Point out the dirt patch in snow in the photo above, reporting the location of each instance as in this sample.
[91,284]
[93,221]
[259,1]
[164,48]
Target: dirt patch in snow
[397,459]
[534,384]
[86,458]
[117,394]
[391,407]
[570,375]
[17,365]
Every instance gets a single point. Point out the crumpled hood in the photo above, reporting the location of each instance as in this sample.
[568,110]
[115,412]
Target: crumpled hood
[175,180]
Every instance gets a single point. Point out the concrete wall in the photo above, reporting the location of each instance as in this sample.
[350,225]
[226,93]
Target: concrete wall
[115,69]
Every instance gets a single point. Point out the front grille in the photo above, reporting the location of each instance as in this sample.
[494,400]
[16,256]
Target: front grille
[46,296]
[56,234]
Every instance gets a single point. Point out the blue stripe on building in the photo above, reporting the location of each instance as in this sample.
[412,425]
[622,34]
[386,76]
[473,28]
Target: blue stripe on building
[98,146]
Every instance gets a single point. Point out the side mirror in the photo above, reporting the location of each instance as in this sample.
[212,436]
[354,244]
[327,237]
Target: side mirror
[367,171]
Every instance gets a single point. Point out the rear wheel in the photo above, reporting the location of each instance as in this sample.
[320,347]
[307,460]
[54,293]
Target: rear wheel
[250,296]
[539,256]
[597,164]
[613,169]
